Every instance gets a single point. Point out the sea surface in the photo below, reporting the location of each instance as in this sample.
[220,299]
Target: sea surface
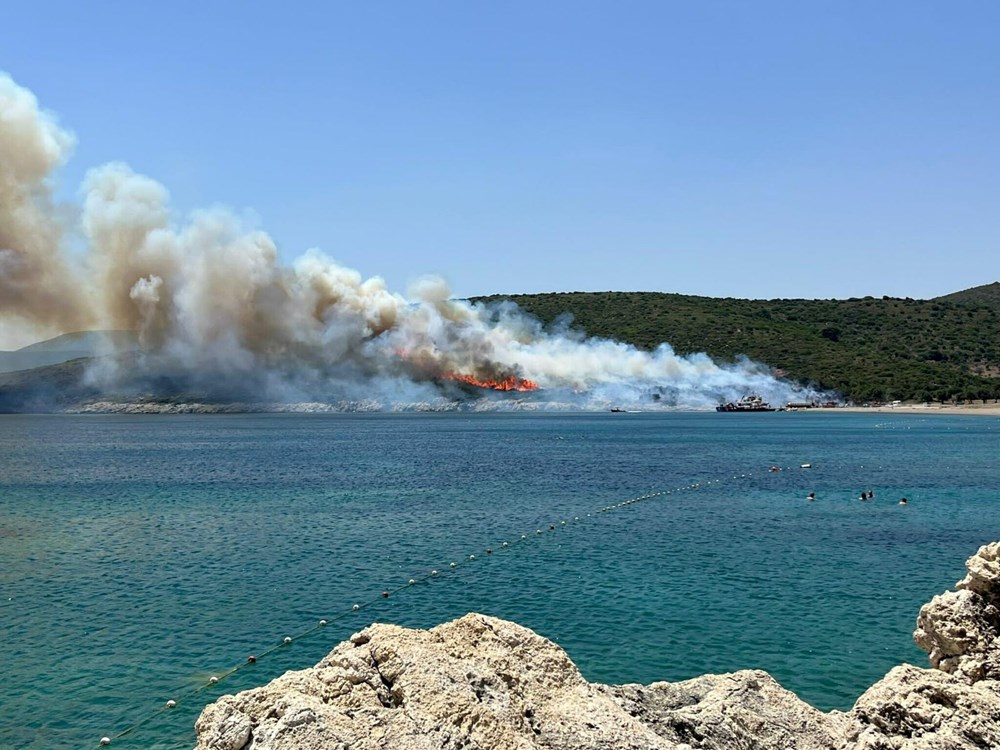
[142,555]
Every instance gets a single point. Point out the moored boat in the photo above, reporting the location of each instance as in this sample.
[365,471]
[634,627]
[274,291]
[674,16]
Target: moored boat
[750,402]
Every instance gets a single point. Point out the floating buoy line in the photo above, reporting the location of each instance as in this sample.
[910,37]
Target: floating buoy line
[433,573]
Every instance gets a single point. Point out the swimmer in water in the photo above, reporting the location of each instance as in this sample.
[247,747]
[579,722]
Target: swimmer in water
[904,501]
[811,496]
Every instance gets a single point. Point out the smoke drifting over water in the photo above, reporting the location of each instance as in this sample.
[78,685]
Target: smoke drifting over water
[218,315]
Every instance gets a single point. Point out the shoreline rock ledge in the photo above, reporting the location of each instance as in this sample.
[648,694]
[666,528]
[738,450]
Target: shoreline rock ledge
[480,683]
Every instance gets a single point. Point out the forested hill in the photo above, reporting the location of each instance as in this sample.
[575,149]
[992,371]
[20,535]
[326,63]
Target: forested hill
[867,349]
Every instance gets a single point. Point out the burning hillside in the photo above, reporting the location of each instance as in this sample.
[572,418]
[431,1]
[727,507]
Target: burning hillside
[509,383]
[215,309]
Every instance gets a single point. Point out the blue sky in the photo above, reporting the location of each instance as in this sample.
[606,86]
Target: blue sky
[746,149]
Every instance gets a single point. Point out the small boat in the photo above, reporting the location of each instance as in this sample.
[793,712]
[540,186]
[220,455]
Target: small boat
[616,410]
[751,402]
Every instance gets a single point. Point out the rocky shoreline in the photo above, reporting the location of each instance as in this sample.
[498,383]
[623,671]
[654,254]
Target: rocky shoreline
[480,683]
[360,406]
[196,406]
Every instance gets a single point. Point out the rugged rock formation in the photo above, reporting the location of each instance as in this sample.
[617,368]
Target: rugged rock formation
[479,683]
[958,629]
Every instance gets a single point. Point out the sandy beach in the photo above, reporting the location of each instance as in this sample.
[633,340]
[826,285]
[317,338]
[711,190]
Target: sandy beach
[987,410]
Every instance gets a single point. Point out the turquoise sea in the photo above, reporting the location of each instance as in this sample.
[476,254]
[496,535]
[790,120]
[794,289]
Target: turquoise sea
[141,555]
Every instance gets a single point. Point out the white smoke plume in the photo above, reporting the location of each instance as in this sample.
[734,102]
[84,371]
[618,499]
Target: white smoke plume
[217,314]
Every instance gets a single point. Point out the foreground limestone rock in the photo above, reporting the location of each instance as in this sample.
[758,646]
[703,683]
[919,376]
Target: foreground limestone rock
[958,629]
[479,683]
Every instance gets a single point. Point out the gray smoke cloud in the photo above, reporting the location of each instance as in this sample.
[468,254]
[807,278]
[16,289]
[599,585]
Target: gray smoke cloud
[216,311]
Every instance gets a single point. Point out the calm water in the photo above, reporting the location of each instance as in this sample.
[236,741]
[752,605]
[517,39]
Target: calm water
[141,555]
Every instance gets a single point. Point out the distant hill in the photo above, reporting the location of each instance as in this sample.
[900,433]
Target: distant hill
[53,388]
[95,342]
[67,347]
[45,388]
[867,349]
[987,294]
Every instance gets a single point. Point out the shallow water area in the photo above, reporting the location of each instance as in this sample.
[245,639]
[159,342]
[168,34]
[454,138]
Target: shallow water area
[141,555]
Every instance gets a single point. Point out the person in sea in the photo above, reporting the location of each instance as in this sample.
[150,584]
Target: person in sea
[904,501]
[870,494]
[864,495]
[811,496]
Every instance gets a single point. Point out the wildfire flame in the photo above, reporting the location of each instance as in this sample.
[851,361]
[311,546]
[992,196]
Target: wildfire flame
[510,383]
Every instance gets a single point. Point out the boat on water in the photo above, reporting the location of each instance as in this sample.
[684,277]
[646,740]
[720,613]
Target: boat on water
[750,402]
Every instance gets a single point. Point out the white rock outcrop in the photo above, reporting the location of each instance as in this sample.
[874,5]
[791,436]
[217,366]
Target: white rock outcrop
[480,683]
[958,629]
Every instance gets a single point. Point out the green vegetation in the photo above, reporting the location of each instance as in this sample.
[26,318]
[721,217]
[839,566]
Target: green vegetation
[867,349]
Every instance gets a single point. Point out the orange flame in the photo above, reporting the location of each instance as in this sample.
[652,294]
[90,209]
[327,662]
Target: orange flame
[510,383]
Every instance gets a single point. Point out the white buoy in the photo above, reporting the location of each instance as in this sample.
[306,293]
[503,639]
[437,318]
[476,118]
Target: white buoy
[452,565]
[105,740]
[288,639]
[356,607]
[171,704]
[472,557]
[434,572]
[410,582]
[504,544]
[322,623]
[213,679]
